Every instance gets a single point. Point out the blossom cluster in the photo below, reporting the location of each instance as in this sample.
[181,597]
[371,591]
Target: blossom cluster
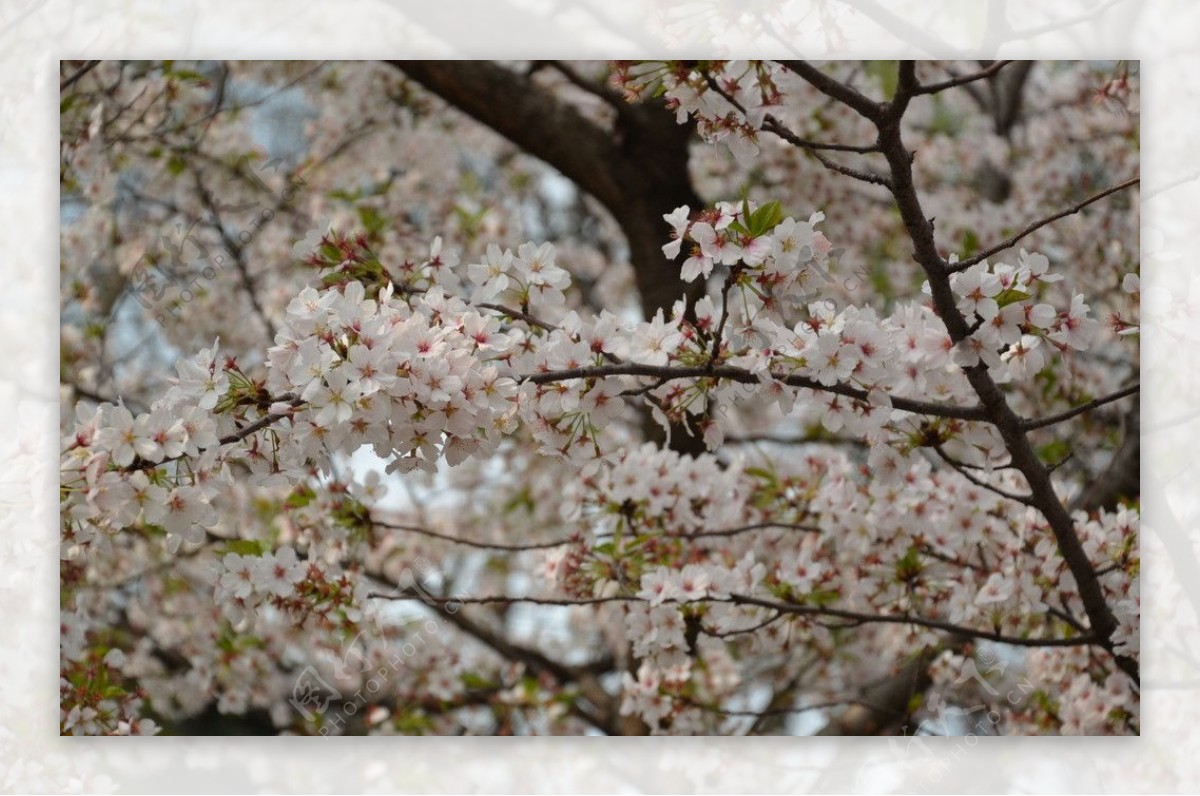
[1012,331]
[777,252]
[93,696]
[222,546]
[688,539]
[112,483]
[395,361]
[729,99]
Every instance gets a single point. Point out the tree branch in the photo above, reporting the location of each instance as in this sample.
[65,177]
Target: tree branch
[512,548]
[853,618]
[237,436]
[934,88]
[963,265]
[835,89]
[962,470]
[74,78]
[1007,422]
[746,377]
[237,251]
[1124,392]
[645,148]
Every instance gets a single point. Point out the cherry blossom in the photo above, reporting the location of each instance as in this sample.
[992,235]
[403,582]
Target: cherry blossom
[865,452]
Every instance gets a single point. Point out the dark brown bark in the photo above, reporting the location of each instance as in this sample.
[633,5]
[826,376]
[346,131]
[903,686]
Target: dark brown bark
[1122,477]
[1006,89]
[885,705]
[638,171]
[1024,458]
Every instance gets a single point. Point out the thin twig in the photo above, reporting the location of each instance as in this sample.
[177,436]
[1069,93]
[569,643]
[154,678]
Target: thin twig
[835,89]
[519,315]
[1030,425]
[857,618]
[854,618]
[758,526]
[512,548]
[237,436]
[962,265]
[934,88]
[773,125]
[708,631]
[743,376]
[966,473]
[73,79]
[548,545]
[720,333]
[237,251]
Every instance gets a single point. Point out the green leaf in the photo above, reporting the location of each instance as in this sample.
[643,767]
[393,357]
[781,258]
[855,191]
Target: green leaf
[886,73]
[970,243]
[470,221]
[372,220]
[521,500]
[473,680]
[301,496]
[763,474]
[1011,296]
[910,566]
[350,513]
[412,723]
[945,121]
[739,228]
[765,218]
[823,597]
[1054,451]
[245,547]
[176,164]
[331,253]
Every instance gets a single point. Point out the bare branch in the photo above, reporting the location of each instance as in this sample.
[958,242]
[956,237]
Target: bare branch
[549,545]
[934,88]
[835,89]
[853,618]
[758,526]
[773,125]
[963,470]
[1034,227]
[237,251]
[512,548]
[746,377]
[994,401]
[237,436]
[1125,392]
[518,315]
[74,78]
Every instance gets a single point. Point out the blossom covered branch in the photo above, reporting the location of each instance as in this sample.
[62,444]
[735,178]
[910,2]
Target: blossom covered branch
[896,492]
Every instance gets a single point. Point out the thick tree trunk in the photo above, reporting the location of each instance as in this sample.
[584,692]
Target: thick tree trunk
[638,171]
